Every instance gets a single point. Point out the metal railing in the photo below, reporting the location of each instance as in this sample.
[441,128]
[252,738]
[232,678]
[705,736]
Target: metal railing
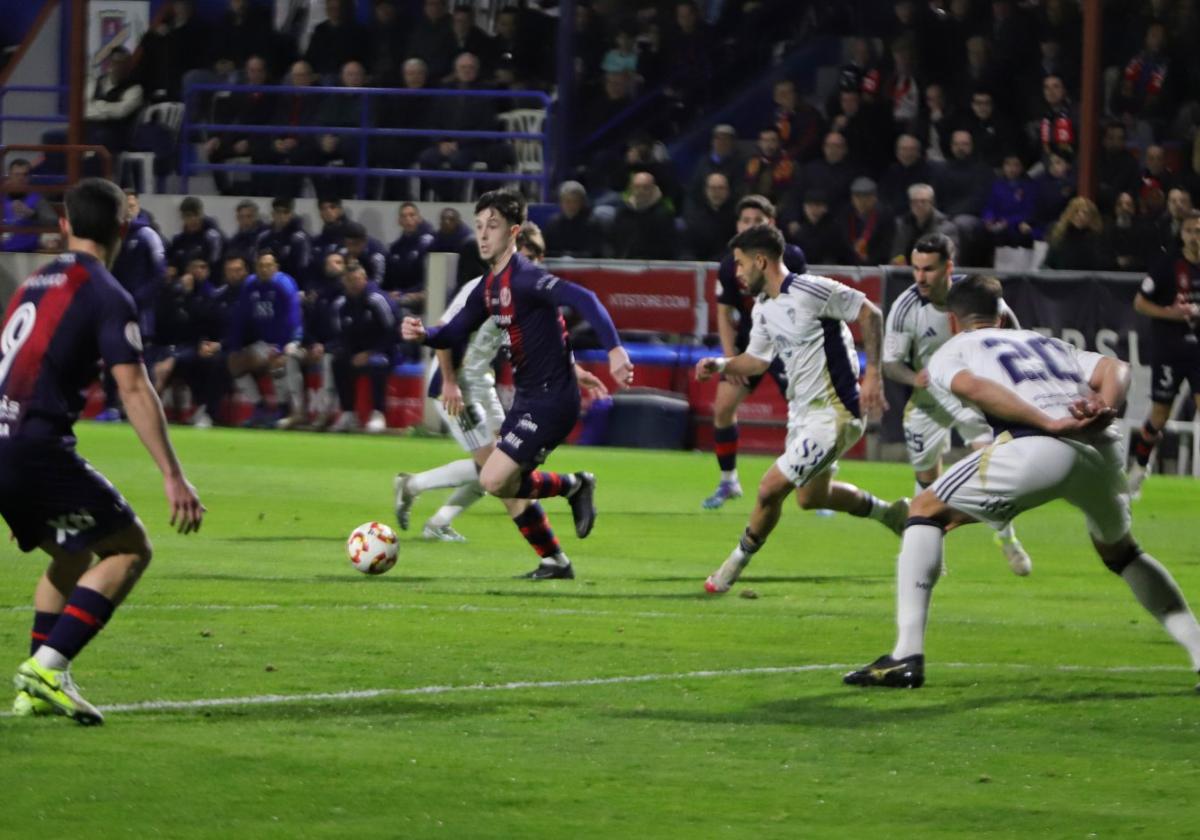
[55,188]
[364,132]
[48,119]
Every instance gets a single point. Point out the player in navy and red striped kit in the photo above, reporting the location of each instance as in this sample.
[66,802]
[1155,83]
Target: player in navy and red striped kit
[61,322]
[1170,296]
[523,299]
[733,297]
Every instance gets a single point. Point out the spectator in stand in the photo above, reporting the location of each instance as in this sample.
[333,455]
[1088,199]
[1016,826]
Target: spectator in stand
[135,212]
[688,47]
[200,238]
[387,40]
[1012,36]
[340,150]
[469,38]
[245,31]
[112,105]
[404,281]
[770,171]
[250,228]
[1155,166]
[256,108]
[644,228]
[365,250]
[573,231]
[601,110]
[1144,92]
[623,57]
[287,241]
[902,90]
[832,172]
[990,135]
[333,231]
[22,208]
[722,157]
[1077,240]
[1053,188]
[432,39]
[1057,130]
[1179,207]
[190,327]
[711,221]
[980,72]
[265,328]
[1133,241]
[402,112]
[800,125]
[1052,63]
[1117,170]
[517,45]
[909,168]
[642,154]
[363,344]
[1011,209]
[817,233]
[922,218]
[178,43]
[337,40]
[862,73]
[935,124]
[964,185]
[867,128]
[454,236]
[869,226]
[291,109]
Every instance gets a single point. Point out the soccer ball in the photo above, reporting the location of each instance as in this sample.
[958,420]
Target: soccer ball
[372,548]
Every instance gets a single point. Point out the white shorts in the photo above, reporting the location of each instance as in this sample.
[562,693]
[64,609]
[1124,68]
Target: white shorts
[815,440]
[1014,475]
[480,420]
[927,433]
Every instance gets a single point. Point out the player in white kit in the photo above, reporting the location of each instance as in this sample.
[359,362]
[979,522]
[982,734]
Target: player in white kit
[917,325]
[801,319]
[1050,406]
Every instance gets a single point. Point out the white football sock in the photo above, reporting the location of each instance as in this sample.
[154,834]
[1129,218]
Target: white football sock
[454,474]
[1157,591]
[730,476]
[247,386]
[48,657]
[460,500]
[1007,533]
[917,571]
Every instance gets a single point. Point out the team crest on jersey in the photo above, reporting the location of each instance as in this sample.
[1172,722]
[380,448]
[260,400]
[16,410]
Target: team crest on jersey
[134,336]
[505,296]
[1185,281]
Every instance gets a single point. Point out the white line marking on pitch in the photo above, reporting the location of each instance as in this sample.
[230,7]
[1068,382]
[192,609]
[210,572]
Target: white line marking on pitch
[427,690]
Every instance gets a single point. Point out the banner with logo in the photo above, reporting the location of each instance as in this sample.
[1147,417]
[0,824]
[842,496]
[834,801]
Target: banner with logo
[653,298]
[112,24]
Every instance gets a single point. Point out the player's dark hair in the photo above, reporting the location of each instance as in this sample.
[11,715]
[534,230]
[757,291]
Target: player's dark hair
[333,200]
[96,209]
[240,256]
[936,243]
[411,204]
[765,239]
[507,203]
[266,252]
[530,237]
[191,206]
[284,203]
[247,204]
[975,299]
[1189,215]
[756,202]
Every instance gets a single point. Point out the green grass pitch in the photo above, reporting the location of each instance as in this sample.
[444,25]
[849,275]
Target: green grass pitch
[624,703]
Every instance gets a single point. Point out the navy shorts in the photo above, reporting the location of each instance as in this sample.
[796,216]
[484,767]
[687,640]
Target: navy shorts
[1170,367]
[49,493]
[535,425]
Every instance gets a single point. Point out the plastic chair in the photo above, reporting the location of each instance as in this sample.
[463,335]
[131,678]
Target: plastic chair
[170,116]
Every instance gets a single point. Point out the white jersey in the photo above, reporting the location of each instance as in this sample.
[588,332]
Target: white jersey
[914,331]
[475,369]
[805,327]
[1046,372]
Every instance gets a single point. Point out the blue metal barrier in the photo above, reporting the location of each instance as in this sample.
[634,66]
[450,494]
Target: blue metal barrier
[49,119]
[364,132]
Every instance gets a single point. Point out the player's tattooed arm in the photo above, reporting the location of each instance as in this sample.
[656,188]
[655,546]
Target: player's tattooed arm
[870,322]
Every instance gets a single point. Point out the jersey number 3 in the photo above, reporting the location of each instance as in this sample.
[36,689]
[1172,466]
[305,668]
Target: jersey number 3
[1036,358]
[16,332]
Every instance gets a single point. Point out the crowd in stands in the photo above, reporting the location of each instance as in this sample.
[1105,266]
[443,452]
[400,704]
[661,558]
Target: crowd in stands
[952,115]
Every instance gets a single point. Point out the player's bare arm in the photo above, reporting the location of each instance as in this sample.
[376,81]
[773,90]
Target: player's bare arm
[411,329]
[1179,311]
[146,416]
[870,323]
[727,330]
[452,397]
[620,366]
[592,385]
[998,401]
[741,365]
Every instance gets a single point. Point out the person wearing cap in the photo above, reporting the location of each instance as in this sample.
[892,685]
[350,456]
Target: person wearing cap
[867,225]
[367,250]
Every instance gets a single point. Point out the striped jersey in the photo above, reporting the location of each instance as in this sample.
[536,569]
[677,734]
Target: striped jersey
[61,322]
[805,327]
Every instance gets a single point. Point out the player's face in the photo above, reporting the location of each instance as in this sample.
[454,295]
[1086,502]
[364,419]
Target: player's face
[751,270]
[410,219]
[494,234]
[247,218]
[751,217]
[330,212]
[266,267]
[335,265]
[931,275]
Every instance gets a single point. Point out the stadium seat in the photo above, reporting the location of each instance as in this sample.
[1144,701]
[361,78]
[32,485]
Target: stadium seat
[170,116]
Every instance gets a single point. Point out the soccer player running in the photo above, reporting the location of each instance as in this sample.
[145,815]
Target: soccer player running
[734,304]
[917,325]
[463,387]
[800,319]
[61,322]
[523,300]
[1170,295]
[1050,406]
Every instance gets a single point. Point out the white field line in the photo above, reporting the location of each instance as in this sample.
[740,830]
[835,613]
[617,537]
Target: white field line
[518,685]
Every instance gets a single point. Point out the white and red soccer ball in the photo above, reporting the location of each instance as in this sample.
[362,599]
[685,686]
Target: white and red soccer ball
[372,548]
